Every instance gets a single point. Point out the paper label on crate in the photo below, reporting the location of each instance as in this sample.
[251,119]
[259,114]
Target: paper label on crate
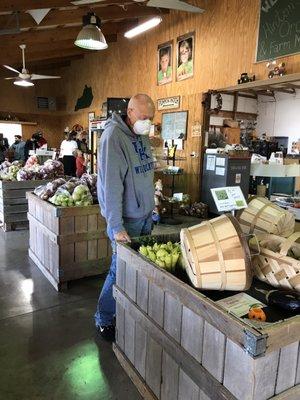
[210,163]
[238,178]
[229,198]
[220,171]
[220,161]
[239,304]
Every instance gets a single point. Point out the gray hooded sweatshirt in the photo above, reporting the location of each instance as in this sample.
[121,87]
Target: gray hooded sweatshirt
[125,174]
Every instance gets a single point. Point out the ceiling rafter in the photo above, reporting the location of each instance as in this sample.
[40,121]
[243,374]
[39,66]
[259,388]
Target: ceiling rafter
[23,5]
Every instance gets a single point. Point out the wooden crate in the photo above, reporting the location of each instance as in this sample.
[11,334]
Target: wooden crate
[13,203]
[177,344]
[67,243]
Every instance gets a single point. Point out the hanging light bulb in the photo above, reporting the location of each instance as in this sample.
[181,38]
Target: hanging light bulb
[90,37]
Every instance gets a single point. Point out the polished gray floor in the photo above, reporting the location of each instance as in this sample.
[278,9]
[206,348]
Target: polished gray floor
[48,346]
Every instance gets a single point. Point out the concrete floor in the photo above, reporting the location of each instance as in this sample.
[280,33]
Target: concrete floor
[48,346]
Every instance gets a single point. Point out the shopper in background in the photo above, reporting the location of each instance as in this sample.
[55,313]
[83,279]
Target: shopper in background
[3,147]
[18,149]
[82,142]
[42,142]
[80,163]
[67,148]
[125,190]
[31,144]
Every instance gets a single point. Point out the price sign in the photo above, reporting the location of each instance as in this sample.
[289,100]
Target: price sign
[229,198]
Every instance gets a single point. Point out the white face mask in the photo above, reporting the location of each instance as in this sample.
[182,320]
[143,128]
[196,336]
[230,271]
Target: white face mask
[142,127]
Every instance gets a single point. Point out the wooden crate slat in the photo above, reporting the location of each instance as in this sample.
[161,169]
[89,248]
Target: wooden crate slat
[67,225]
[287,367]
[213,351]
[153,366]
[140,346]
[81,251]
[142,292]
[120,326]
[129,337]
[170,378]
[248,378]
[297,379]
[172,317]
[120,274]
[192,333]
[92,249]
[156,303]
[130,282]
[187,389]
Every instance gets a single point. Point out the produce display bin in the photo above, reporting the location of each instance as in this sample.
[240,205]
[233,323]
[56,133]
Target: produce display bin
[67,243]
[176,343]
[14,204]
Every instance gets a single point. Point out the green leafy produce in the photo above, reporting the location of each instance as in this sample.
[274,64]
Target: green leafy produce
[165,255]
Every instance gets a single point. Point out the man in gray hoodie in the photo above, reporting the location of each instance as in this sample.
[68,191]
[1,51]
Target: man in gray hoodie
[125,190]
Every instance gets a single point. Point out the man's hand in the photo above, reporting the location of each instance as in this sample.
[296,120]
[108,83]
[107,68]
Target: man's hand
[122,237]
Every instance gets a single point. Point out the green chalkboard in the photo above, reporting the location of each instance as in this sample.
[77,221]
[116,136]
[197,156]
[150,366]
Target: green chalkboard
[279,29]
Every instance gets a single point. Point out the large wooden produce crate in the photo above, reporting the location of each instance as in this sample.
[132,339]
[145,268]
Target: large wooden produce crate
[67,243]
[177,344]
[13,203]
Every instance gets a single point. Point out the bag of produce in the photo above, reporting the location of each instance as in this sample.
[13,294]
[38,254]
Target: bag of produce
[82,196]
[48,190]
[62,198]
[32,160]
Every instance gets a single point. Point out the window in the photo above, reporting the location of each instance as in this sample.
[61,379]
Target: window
[10,130]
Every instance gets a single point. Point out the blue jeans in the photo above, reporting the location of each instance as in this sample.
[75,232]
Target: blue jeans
[106,307]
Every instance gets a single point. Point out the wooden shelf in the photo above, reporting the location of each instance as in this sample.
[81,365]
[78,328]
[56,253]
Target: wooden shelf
[287,84]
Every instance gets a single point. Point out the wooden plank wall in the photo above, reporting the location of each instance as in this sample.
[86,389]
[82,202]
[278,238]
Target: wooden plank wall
[225,46]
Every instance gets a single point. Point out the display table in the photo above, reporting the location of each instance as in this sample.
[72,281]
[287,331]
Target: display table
[176,343]
[67,243]
[13,202]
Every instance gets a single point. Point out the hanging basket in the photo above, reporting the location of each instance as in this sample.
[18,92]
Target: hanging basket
[262,215]
[279,260]
[217,255]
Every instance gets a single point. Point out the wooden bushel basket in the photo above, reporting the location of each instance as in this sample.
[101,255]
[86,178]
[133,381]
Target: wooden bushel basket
[216,254]
[264,216]
[275,263]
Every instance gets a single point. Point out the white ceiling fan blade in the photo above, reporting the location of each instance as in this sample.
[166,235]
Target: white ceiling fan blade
[36,76]
[11,69]
[174,5]
[11,77]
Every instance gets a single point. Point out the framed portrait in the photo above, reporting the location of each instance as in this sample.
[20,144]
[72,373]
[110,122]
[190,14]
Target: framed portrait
[185,56]
[164,63]
[91,116]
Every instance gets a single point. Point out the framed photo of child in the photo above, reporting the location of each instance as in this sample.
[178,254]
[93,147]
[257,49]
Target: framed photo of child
[185,56]
[164,63]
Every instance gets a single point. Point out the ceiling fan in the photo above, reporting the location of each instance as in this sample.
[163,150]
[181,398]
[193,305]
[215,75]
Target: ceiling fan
[180,5]
[24,78]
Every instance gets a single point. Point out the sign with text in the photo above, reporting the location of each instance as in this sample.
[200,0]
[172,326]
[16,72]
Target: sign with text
[169,103]
[229,198]
[279,33]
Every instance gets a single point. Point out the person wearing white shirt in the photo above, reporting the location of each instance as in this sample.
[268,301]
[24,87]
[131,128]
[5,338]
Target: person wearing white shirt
[67,149]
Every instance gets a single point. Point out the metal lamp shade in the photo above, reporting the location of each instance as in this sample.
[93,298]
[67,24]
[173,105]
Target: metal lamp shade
[91,38]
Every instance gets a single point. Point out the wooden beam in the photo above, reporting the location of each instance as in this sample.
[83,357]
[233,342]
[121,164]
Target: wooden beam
[23,5]
[71,16]
[57,34]
[60,49]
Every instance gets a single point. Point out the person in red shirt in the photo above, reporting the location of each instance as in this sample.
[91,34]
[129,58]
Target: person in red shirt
[80,163]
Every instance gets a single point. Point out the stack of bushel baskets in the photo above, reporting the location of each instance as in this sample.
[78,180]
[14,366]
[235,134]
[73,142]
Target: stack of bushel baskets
[177,343]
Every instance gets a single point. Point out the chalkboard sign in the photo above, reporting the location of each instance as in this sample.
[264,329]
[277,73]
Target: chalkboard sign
[279,29]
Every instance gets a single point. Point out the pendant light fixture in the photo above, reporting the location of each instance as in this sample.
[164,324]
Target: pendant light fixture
[90,37]
[145,26]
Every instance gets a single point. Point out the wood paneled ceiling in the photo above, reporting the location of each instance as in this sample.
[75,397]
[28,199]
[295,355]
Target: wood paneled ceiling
[52,41]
